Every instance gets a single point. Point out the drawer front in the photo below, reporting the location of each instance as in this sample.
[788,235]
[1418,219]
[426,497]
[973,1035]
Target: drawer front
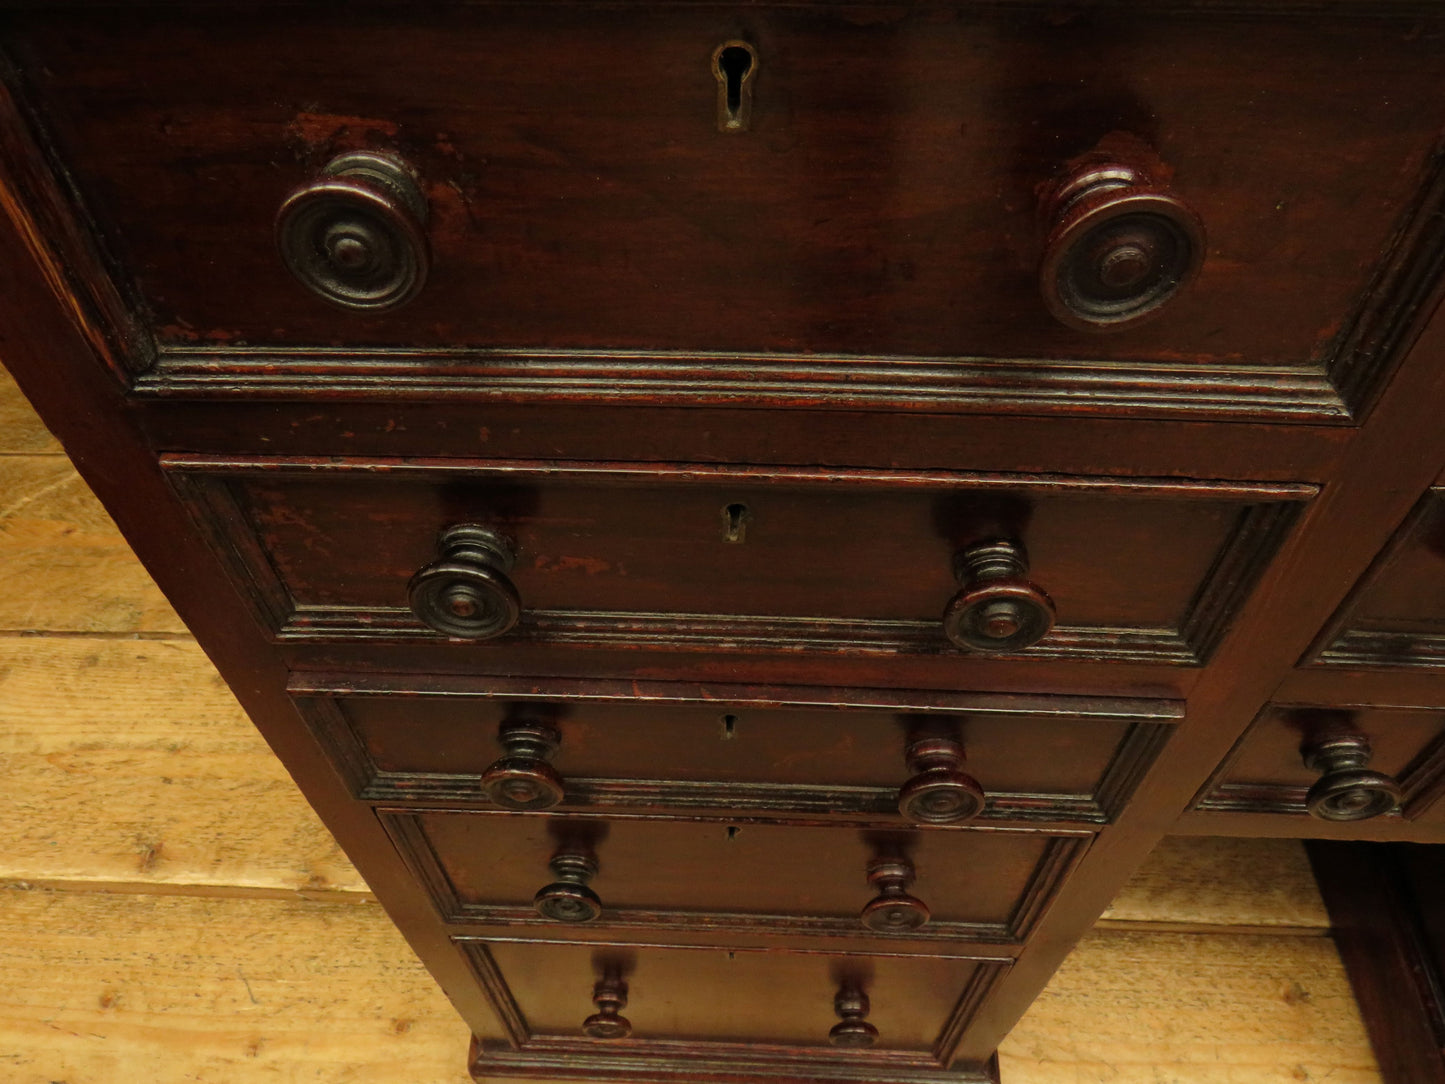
[980,885]
[1339,765]
[882,197]
[769,559]
[1395,616]
[726,1004]
[780,750]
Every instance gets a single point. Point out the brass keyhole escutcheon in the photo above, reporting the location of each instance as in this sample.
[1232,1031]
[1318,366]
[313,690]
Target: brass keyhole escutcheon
[735,66]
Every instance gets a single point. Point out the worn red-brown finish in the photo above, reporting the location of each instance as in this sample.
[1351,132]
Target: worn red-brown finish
[640,742]
[736,402]
[1268,773]
[883,202]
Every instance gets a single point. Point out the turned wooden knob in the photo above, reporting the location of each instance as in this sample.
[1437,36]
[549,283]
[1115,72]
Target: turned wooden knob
[356,236]
[852,1030]
[466,592]
[522,778]
[939,792]
[568,899]
[1347,791]
[610,997]
[1120,246]
[998,609]
[893,910]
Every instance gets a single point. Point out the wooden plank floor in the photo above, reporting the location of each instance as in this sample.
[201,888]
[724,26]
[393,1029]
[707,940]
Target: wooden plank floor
[171,910]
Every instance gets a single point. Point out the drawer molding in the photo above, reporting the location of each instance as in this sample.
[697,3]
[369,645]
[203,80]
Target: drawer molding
[1061,854]
[1304,394]
[315,696]
[1379,649]
[553,1057]
[1351,640]
[708,632]
[1422,783]
[1260,527]
[1337,387]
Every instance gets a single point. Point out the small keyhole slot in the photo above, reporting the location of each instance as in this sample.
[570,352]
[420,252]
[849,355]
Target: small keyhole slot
[729,727]
[734,64]
[733,831]
[735,522]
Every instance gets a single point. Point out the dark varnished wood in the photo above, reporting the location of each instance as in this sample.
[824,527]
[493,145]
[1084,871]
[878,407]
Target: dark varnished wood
[916,1002]
[609,996]
[778,751]
[1347,789]
[1139,569]
[1348,526]
[465,593]
[852,1031]
[523,776]
[1121,246]
[568,898]
[1395,617]
[566,430]
[893,910]
[1387,915]
[536,194]
[70,350]
[997,609]
[939,791]
[739,875]
[680,359]
[356,235]
[1277,767]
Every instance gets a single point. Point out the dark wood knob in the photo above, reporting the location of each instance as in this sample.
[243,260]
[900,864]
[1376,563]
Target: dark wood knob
[568,899]
[356,235]
[893,910]
[1347,791]
[610,997]
[466,593]
[1120,246]
[939,792]
[853,1029]
[521,778]
[998,609]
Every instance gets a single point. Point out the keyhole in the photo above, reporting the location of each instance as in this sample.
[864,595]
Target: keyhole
[729,727]
[734,63]
[735,522]
[733,831]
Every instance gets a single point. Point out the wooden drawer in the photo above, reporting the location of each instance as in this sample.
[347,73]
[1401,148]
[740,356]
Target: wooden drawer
[702,1013]
[646,744]
[875,235]
[979,885]
[1395,616]
[698,558]
[1347,766]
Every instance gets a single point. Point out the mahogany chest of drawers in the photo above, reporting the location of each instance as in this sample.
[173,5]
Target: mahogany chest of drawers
[748,521]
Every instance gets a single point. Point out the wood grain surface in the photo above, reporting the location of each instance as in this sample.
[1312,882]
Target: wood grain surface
[879,245]
[1210,882]
[1150,1008]
[67,569]
[123,989]
[129,761]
